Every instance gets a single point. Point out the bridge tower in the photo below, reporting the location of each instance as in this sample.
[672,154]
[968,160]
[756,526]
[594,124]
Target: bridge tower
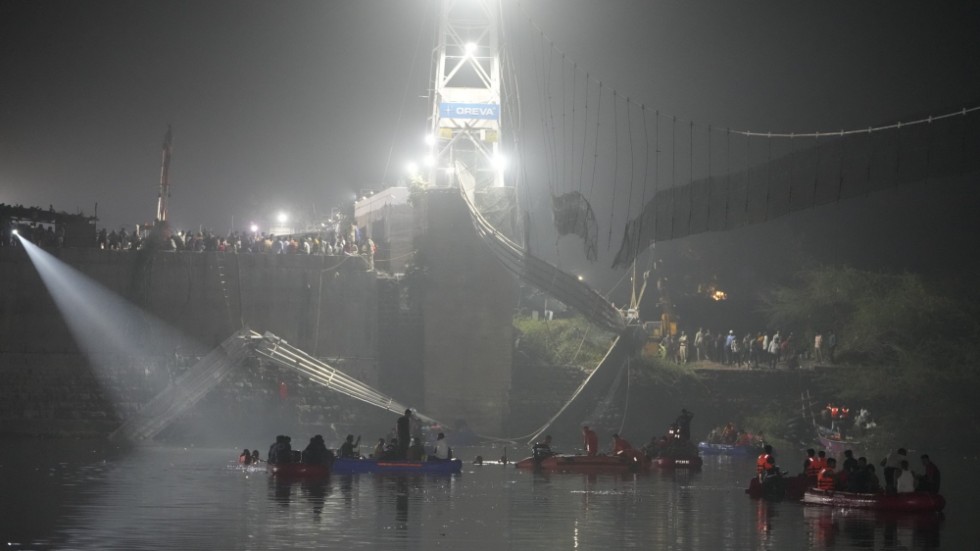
[466,303]
[465,119]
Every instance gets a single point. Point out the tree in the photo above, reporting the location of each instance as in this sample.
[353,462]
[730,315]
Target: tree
[905,339]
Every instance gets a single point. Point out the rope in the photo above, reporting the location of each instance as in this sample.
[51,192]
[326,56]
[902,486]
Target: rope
[793,135]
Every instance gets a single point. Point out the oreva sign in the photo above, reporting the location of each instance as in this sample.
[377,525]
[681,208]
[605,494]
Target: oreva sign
[483,111]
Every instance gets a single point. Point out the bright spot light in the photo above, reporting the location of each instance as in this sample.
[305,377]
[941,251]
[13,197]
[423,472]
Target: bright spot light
[254,228]
[719,295]
[15,232]
[282,217]
[470,48]
[412,168]
[500,162]
[430,139]
[581,278]
[107,328]
[429,160]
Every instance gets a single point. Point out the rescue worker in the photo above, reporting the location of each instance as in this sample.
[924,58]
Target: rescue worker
[348,450]
[621,446]
[827,479]
[590,441]
[542,450]
[810,465]
[762,461]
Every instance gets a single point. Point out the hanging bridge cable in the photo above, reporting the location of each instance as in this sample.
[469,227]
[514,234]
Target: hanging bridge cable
[629,133]
[643,195]
[898,153]
[707,219]
[551,135]
[792,173]
[840,171]
[563,160]
[690,190]
[748,178]
[673,174]
[585,136]
[595,152]
[656,167]
[728,173]
[817,147]
[871,154]
[612,208]
[572,131]
[765,214]
[551,103]
[408,83]
[626,400]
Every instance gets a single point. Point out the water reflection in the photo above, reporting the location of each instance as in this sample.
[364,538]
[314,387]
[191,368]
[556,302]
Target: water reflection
[861,529]
[313,492]
[160,498]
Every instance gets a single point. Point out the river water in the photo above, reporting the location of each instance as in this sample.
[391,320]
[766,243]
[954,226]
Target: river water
[83,495]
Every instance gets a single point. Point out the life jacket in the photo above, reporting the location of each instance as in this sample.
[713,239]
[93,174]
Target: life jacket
[760,463]
[812,467]
[826,480]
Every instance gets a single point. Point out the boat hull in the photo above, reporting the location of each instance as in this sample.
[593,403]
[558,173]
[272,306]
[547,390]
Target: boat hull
[911,502]
[353,466]
[298,470]
[692,462]
[585,464]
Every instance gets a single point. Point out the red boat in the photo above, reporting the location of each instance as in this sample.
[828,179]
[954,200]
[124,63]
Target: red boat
[910,502]
[586,464]
[298,470]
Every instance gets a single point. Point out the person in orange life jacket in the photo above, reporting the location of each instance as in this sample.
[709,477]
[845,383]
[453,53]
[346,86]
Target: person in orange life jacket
[821,461]
[810,465]
[770,470]
[620,445]
[763,460]
[827,479]
[590,441]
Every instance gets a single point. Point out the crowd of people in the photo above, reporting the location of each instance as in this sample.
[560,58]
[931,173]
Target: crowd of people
[407,444]
[857,475]
[766,349]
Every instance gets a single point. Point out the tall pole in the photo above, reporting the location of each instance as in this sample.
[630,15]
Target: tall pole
[164,196]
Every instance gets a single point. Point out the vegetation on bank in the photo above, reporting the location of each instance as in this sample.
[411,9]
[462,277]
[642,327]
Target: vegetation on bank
[911,348]
[572,342]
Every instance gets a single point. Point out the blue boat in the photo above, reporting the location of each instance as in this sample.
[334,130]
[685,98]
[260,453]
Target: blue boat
[709,448]
[351,466]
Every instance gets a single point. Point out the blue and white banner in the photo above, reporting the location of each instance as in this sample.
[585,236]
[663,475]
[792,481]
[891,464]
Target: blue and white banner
[482,111]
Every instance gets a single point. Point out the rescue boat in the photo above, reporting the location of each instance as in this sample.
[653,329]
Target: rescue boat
[909,501]
[352,466]
[298,470]
[586,463]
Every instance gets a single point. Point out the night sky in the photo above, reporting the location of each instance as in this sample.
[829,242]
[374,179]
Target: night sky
[297,105]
